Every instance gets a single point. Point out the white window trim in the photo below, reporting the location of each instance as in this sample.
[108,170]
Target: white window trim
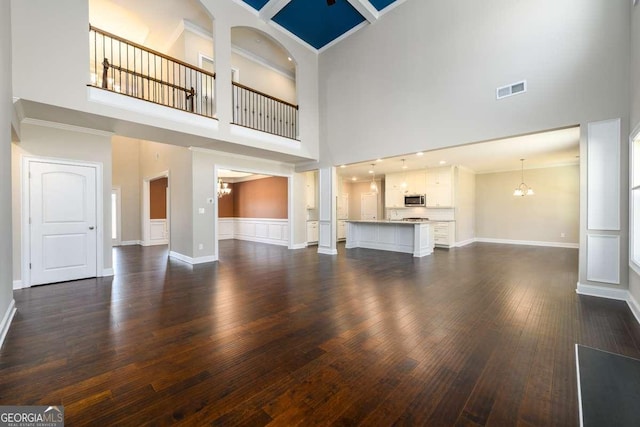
[634,229]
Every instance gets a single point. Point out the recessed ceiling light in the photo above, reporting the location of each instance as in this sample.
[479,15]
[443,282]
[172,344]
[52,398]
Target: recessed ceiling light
[378,160]
[442,162]
[353,178]
[370,170]
[343,166]
[258,41]
[289,58]
[419,153]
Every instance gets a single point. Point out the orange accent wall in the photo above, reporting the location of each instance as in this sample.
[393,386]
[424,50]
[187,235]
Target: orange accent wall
[158,198]
[261,198]
[225,204]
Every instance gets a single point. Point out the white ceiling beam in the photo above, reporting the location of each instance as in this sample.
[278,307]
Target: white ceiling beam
[272,8]
[366,9]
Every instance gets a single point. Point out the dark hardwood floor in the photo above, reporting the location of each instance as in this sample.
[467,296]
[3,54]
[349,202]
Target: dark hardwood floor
[481,335]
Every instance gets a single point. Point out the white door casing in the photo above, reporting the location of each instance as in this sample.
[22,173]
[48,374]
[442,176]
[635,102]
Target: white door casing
[63,222]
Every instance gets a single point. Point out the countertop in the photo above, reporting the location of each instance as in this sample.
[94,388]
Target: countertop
[394,221]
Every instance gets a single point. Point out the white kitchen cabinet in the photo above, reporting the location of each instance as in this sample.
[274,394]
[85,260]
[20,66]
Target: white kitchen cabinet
[342,229]
[394,191]
[312,231]
[444,234]
[439,188]
[417,182]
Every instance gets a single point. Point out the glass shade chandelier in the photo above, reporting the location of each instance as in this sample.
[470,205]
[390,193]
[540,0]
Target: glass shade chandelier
[373,186]
[523,189]
[223,188]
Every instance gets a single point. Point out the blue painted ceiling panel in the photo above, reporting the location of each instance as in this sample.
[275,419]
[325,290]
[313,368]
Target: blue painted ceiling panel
[317,23]
[256,4]
[381,4]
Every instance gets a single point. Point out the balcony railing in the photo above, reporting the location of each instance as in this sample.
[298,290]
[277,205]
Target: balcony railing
[128,68]
[257,110]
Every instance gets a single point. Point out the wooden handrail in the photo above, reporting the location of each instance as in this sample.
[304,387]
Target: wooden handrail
[139,46]
[142,76]
[264,94]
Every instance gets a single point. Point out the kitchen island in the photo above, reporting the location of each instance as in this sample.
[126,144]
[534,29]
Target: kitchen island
[412,237]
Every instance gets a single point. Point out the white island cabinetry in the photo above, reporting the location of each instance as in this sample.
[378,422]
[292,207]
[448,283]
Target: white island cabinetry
[398,236]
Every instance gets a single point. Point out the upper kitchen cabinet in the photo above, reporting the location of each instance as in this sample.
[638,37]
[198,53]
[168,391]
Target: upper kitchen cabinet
[440,187]
[397,185]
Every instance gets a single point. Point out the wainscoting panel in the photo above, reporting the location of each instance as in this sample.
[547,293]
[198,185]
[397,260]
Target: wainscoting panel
[603,180]
[603,258]
[265,230]
[158,232]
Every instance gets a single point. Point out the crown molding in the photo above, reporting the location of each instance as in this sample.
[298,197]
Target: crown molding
[67,127]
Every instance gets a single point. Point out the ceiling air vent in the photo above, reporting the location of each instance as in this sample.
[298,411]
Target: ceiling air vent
[512,89]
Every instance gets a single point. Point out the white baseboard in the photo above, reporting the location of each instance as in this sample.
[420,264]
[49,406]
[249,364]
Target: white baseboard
[107,272]
[155,243]
[327,251]
[528,243]
[634,306]
[6,321]
[130,243]
[261,240]
[298,246]
[192,261]
[611,293]
[17,284]
[602,292]
[464,243]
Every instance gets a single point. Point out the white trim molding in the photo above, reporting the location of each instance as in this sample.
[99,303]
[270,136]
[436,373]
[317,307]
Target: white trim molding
[465,243]
[298,246]
[327,251]
[611,293]
[131,242]
[17,284]
[190,260]
[6,321]
[525,242]
[107,272]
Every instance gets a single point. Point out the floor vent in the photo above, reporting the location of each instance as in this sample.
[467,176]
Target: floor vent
[512,89]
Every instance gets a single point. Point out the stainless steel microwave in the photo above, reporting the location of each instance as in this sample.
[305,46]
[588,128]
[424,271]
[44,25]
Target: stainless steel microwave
[414,200]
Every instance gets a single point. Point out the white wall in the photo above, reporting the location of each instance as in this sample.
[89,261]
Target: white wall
[65,144]
[554,208]
[465,202]
[634,278]
[6,112]
[156,158]
[126,175]
[425,75]
[264,79]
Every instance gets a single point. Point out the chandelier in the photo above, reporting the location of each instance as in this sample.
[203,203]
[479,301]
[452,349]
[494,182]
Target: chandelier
[223,188]
[523,189]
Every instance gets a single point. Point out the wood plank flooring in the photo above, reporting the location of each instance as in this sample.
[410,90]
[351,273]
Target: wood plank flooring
[480,335]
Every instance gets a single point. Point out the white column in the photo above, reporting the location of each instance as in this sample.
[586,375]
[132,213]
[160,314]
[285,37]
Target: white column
[327,211]
[222,54]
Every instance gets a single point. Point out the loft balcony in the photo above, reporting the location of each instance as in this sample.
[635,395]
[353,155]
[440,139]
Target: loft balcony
[127,68]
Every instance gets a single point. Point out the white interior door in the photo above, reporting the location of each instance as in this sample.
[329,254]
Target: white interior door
[369,206]
[62,214]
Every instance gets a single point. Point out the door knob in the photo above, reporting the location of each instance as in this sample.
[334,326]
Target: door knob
[91,228]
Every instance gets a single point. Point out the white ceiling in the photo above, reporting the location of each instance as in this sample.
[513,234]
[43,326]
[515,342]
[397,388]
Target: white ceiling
[546,149]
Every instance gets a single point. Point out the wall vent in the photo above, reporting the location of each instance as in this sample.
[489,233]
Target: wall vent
[512,89]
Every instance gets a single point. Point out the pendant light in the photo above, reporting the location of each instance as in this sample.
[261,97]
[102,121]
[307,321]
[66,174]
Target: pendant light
[523,189]
[373,186]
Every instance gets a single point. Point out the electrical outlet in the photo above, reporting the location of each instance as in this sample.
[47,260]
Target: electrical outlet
[201,211]
[200,246]
[563,235]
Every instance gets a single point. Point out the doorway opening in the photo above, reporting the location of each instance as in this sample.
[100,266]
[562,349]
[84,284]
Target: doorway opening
[156,210]
[252,207]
